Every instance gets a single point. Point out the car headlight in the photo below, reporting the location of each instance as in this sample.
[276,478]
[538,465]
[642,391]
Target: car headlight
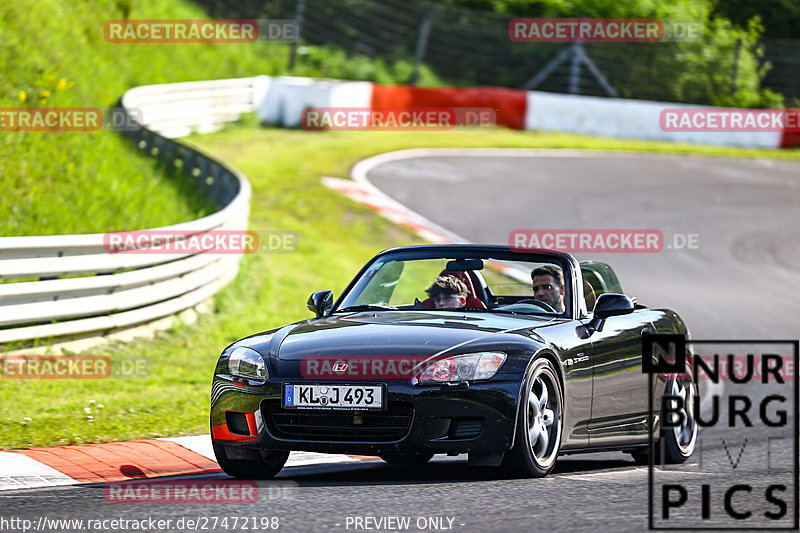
[455,368]
[247,363]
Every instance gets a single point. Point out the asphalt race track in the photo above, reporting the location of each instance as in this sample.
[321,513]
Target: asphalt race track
[741,282]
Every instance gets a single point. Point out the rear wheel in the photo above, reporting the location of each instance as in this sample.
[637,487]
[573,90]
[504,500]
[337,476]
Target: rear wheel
[677,440]
[265,467]
[539,422]
[408,460]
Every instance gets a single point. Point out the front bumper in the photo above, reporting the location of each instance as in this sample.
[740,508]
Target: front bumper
[478,417]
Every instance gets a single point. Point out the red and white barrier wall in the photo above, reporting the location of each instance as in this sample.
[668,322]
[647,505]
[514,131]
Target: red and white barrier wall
[281,100]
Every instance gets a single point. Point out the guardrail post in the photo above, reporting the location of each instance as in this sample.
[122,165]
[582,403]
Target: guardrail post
[422,41]
[299,10]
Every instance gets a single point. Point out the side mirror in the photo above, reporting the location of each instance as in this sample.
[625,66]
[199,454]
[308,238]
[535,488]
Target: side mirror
[320,302]
[611,304]
[608,304]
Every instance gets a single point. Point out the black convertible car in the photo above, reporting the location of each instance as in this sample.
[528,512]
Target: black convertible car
[510,377]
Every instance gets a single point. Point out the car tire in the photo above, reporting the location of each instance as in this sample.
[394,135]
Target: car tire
[417,459]
[267,467]
[537,440]
[675,444]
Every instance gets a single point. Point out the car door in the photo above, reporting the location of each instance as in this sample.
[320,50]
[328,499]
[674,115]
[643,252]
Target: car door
[619,387]
[619,391]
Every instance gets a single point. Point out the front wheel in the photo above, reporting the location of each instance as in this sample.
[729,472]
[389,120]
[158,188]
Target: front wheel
[538,433]
[269,464]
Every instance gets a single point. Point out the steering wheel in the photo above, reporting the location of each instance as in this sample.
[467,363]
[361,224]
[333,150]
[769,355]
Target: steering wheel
[539,303]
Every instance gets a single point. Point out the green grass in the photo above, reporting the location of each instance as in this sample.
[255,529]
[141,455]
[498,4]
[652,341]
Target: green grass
[53,54]
[336,237]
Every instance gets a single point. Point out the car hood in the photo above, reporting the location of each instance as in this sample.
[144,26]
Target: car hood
[396,333]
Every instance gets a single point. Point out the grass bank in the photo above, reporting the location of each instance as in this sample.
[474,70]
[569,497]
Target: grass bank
[54,54]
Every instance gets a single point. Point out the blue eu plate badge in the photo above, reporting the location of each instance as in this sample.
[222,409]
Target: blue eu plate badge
[289,395]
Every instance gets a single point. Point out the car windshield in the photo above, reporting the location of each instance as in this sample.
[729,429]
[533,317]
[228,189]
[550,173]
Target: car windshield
[447,283]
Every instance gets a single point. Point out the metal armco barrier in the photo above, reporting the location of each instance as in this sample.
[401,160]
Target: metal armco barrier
[106,292]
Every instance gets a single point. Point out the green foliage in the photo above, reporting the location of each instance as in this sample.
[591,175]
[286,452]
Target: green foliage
[781,18]
[713,71]
[722,70]
[333,62]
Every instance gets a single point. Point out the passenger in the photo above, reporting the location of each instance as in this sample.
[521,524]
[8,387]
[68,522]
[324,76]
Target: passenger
[548,286]
[448,292]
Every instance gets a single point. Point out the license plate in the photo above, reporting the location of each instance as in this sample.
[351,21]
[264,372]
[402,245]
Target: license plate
[333,396]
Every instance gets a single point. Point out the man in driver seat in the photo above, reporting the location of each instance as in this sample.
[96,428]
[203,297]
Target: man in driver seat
[548,286]
[448,292]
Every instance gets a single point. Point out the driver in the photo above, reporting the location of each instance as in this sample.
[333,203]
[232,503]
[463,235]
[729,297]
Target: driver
[548,286]
[448,292]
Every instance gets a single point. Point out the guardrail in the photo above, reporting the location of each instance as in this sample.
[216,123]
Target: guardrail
[81,290]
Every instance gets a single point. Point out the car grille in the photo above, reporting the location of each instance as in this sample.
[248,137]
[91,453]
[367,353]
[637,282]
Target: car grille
[341,426]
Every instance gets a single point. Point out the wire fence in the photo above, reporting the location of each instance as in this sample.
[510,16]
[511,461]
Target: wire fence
[466,47]
[784,75]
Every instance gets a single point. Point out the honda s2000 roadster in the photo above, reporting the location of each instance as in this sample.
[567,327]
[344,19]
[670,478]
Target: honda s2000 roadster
[506,375]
